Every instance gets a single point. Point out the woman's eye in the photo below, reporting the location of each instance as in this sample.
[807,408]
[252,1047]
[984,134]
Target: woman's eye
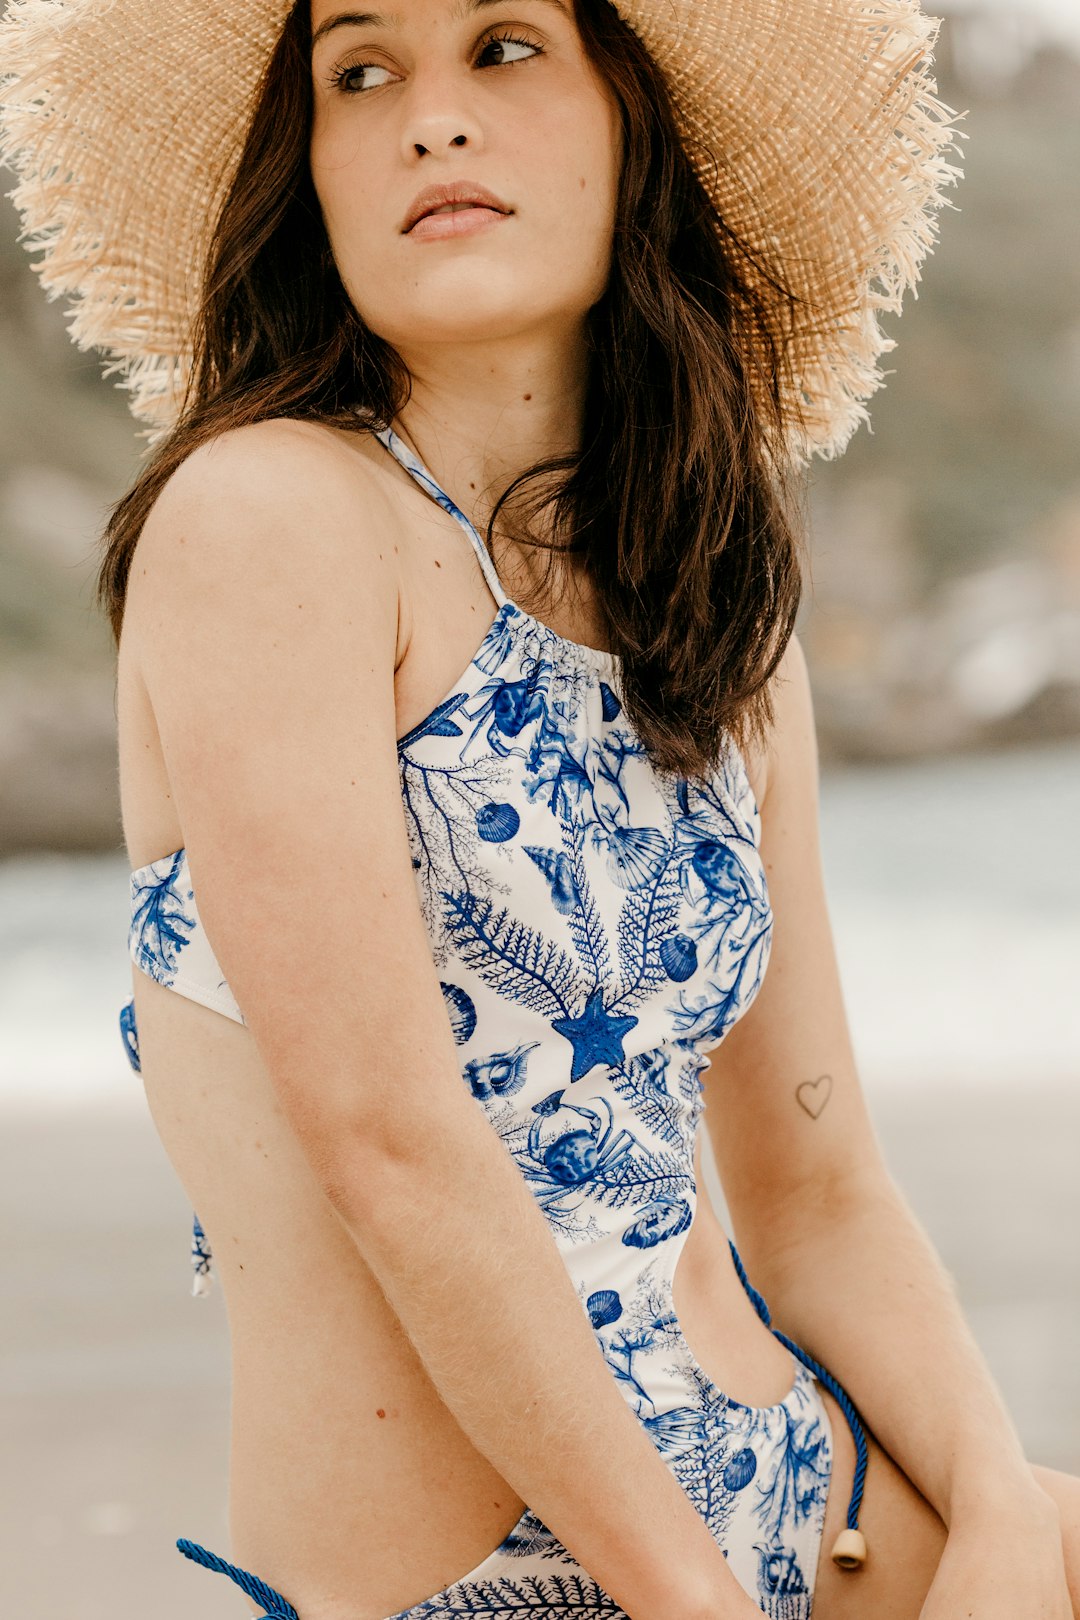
[346,73]
[510,49]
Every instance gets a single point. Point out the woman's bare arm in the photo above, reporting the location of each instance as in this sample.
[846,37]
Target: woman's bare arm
[269,603]
[847,1269]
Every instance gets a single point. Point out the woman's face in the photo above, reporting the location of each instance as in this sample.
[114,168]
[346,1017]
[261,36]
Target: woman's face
[494,93]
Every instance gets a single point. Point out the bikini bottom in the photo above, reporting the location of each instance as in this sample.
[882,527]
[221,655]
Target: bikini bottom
[759,1478]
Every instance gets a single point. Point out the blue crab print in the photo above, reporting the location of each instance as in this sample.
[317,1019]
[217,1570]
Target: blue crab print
[569,1144]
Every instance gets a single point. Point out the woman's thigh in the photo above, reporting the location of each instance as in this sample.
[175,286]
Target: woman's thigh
[904,1535]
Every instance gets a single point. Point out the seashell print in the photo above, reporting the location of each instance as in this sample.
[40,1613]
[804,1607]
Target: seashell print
[634,854]
[603,1307]
[558,868]
[740,1470]
[663,1218]
[779,1571]
[609,703]
[462,1011]
[497,822]
[499,1075]
[678,953]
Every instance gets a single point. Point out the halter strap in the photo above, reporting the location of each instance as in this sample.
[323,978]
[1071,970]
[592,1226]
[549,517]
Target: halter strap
[412,464]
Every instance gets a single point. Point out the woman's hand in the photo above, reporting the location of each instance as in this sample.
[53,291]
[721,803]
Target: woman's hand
[1002,1566]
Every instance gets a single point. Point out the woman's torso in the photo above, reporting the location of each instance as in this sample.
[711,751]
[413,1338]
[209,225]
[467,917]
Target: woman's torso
[348,1475]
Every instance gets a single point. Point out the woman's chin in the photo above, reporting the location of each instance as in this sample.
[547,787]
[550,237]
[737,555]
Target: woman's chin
[470,313]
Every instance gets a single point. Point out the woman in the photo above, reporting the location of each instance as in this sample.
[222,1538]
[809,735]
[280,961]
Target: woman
[471,297]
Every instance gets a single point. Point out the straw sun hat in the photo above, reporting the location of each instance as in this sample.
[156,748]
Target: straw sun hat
[123,121]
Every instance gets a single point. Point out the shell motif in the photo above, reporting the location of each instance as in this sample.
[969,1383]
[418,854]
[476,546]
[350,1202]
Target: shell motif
[779,1571]
[610,704]
[497,822]
[559,871]
[603,1307]
[501,1074]
[663,1218]
[678,953]
[740,1470]
[634,854]
[461,1010]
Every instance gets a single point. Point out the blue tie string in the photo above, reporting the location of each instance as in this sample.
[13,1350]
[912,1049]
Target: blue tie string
[842,1397]
[275,1606]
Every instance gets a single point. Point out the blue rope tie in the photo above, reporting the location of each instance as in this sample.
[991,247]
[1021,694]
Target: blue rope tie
[276,1607]
[842,1397]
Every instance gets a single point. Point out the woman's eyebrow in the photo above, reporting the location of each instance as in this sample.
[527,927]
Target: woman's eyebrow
[372,19]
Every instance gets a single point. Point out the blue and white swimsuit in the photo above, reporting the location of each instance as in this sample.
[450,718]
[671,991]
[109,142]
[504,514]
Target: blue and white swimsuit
[598,926]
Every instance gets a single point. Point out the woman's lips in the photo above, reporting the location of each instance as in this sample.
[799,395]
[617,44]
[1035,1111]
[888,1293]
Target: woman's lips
[458,222]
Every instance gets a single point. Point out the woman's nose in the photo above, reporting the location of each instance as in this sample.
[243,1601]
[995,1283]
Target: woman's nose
[437,119]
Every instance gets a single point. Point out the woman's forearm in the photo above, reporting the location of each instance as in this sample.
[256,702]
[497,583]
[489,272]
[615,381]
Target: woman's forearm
[468,1264]
[864,1290]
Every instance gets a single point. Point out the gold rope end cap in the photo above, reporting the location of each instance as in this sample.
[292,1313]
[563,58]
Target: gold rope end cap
[849,1549]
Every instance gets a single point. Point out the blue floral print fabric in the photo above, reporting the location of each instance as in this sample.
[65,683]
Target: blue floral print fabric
[598,926]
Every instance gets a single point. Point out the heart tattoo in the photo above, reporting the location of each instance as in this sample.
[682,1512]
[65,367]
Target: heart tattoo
[814,1094]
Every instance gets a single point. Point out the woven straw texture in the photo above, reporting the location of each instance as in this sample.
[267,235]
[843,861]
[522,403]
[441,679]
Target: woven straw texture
[815,124]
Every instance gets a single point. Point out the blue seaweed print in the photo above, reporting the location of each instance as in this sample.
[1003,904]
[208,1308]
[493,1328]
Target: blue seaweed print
[796,1477]
[644,1323]
[648,917]
[441,805]
[160,925]
[557,776]
[519,961]
[642,1082]
[730,926]
[544,1597]
[703,1470]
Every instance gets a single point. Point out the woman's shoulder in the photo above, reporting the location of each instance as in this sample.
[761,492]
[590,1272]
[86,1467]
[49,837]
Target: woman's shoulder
[261,512]
[279,458]
[281,477]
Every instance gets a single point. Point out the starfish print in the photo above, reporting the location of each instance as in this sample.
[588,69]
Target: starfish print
[596,1036]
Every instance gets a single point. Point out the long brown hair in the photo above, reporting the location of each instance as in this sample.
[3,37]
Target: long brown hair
[676,501]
